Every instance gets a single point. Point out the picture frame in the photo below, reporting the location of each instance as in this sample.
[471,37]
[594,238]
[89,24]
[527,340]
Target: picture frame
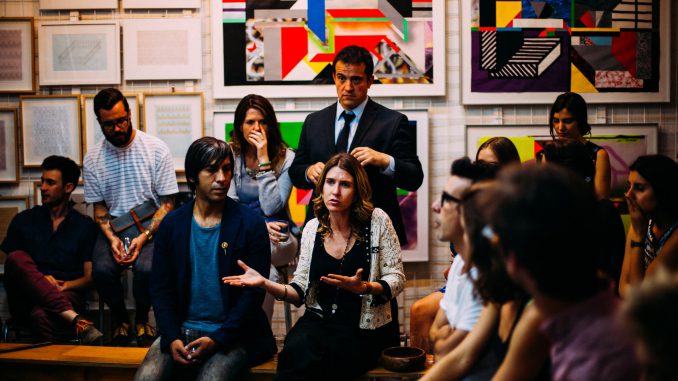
[167,4]
[407,40]
[50,125]
[9,147]
[162,48]
[91,130]
[623,143]
[414,205]
[569,52]
[86,53]
[51,5]
[10,206]
[175,118]
[17,55]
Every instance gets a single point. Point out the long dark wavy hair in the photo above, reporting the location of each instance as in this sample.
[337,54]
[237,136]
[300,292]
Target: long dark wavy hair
[276,145]
[361,208]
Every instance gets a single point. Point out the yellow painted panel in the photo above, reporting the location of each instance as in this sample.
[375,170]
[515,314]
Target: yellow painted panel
[507,11]
[579,83]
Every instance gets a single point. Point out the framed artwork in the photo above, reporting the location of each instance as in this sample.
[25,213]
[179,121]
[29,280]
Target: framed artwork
[166,4]
[175,118]
[78,4]
[91,130]
[50,125]
[162,48]
[608,51]
[259,46]
[86,53]
[9,153]
[623,143]
[414,206]
[10,206]
[17,46]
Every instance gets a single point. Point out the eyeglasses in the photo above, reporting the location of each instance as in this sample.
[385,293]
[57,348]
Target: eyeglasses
[446,197]
[110,125]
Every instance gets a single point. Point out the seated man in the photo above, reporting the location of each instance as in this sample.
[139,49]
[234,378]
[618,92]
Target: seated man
[49,261]
[208,329]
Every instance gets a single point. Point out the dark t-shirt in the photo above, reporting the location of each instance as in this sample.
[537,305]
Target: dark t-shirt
[61,253]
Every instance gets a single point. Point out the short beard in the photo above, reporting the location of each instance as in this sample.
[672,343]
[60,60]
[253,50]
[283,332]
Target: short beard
[128,135]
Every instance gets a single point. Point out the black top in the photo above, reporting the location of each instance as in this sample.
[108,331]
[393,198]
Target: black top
[59,253]
[346,304]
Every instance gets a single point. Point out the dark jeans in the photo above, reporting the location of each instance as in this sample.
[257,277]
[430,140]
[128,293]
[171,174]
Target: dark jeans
[106,274]
[33,299]
[221,366]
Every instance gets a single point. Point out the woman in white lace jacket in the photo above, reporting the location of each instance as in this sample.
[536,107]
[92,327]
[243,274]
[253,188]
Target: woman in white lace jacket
[349,274]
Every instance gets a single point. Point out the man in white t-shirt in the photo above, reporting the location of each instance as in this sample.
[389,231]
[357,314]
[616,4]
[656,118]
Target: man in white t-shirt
[123,171]
[459,309]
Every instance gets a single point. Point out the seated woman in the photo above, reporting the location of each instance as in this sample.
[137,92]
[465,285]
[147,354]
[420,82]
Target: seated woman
[653,207]
[569,119]
[349,273]
[498,150]
[505,343]
[260,178]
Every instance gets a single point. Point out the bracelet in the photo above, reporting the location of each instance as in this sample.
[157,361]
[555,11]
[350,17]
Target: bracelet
[264,164]
[637,243]
[284,296]
[262,173]
[368,288]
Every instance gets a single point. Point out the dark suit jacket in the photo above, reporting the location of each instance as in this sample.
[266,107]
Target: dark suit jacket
[245,234]
[381,129]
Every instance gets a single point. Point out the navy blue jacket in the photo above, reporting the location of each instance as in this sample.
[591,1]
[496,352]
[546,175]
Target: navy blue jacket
[244,236]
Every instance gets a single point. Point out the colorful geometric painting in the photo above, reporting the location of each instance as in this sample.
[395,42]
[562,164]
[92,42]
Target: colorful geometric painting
[554,46]
[623,145]
[268,43]
[414,206]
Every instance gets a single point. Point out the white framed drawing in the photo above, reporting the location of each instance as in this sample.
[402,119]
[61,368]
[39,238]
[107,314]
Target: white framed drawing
[623,143]
[9,153]
[86,53]
[46,5]
[175,118]
[50,125]
[279,50]
[162,48]
[17,46]
[166,4]
[91,130]
[414,206]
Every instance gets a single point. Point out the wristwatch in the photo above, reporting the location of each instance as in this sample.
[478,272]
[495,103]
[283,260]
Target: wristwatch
[149,235]
[637,243]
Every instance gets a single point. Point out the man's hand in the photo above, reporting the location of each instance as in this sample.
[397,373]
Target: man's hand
[313,172]
[179,352]
[117,248]
[134,250]
[200,349]
[367,156]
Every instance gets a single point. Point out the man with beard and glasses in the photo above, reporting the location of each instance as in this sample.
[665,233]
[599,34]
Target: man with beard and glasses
[49,262]
[123,172]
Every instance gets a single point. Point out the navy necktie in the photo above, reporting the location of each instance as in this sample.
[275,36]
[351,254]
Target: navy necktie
[342,141]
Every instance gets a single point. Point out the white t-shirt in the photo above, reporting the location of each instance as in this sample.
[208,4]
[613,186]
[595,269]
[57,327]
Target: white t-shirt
[461,307]
[126,177]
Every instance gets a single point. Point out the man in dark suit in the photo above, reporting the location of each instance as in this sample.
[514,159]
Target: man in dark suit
[380,138]
[208,329]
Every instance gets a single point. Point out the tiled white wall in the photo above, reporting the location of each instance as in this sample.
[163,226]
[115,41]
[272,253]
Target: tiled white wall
[447,115]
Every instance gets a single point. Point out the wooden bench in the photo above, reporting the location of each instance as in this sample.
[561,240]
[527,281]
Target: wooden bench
[85,363]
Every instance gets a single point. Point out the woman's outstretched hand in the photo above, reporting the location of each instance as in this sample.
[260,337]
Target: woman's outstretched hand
[251,278]
[353,283]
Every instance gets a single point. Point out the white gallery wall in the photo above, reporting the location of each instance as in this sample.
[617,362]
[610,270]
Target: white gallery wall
[447,116]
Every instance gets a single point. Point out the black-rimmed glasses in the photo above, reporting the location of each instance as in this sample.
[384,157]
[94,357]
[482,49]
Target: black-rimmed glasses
[110,125]
[446,197]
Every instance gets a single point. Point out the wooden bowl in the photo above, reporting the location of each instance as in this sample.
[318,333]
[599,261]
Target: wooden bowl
[403,359]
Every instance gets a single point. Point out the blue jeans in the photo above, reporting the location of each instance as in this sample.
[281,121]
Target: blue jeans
[159,366]
[106,275]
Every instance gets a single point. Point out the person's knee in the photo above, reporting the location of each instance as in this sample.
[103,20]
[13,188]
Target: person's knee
[16,260]
[155,365]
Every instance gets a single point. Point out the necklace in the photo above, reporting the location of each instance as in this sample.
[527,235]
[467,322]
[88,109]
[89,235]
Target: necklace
[341,267]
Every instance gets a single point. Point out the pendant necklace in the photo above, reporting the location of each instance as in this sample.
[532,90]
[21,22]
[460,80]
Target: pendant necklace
[341,266]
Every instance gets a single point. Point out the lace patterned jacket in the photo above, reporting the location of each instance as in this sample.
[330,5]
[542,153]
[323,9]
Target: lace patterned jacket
[386,266]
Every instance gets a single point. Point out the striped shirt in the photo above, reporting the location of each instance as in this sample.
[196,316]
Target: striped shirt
[126,177]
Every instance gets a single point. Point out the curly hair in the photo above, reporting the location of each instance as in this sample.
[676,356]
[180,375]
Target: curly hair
[277,148]
[361,208]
